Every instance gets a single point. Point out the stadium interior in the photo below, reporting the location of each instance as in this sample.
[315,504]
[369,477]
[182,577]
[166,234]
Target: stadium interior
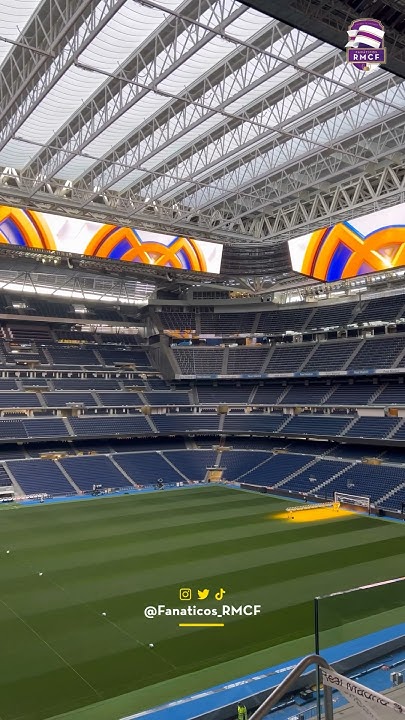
[167,355]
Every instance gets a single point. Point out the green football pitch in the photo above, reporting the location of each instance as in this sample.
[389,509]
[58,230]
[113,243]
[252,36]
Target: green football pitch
[61,655]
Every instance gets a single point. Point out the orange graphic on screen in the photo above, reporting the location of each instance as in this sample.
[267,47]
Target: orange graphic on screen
[340,252]
[120,243]
[25,228]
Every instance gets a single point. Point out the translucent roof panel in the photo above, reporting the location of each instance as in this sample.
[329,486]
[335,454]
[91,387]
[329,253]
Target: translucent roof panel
[112,46]
[276,116]
[60,103]
[13,18]
[16,154]
[182,102]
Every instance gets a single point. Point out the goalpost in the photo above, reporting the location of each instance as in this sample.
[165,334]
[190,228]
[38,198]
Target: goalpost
[353,502]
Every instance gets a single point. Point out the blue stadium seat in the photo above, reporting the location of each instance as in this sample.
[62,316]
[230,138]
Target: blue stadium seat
[93,470]
[147,468]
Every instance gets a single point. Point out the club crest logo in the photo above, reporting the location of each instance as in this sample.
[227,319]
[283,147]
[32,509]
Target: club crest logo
[365,48]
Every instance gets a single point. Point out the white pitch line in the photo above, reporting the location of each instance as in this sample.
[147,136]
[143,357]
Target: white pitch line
[45,642]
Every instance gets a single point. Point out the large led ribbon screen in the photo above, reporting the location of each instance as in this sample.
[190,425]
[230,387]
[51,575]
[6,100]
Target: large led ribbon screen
[371,243]
[31,229]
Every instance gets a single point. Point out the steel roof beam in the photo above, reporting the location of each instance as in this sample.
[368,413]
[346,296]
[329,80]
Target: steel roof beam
[124,90]
[83,19]
[232,149]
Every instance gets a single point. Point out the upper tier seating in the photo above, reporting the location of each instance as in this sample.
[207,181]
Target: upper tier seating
[277,322]
[268,422]
[111,425]
[392,394]
[58,399]
[288,358]
[372,427]
[119,398]
[331,316]
[223,394]
[385,309]
[202,422]
[19,400]
[331,355]
[9,384]
[112,355]
[167,398]
[199,361]
[157,384]
[303,395]
[246,360]
[227,323]
[120,338]
[378,352]
[269,395]
[97,383]
[351,394]
[306,424]
[70,356]
[184,321]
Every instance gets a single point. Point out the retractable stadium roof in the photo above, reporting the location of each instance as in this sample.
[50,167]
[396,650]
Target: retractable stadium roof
[203,117]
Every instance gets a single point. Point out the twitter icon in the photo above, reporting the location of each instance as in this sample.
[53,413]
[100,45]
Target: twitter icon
[203,594]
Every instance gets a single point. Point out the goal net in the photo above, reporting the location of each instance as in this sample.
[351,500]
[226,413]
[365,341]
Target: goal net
[359,503]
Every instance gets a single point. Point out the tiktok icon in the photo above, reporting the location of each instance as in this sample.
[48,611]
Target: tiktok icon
[220,594]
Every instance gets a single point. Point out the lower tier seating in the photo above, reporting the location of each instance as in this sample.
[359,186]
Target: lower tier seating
[296,472]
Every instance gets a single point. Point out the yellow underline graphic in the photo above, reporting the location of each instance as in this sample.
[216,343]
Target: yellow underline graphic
[201,624]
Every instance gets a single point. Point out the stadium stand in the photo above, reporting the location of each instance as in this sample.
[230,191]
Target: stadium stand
[147,468]
[246,360]
[307,424]
[356,394]
[222,394]
[88,472]
[192,465]
[315,478]
[331,355]
[288,358]
[227,323]
[40,476]
[372,427]
[199,361]
[331,316]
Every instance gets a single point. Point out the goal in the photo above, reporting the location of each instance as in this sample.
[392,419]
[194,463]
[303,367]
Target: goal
[353,502]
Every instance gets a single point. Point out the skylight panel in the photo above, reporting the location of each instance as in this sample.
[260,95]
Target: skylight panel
[14,16]
[60,103]
[125,32]
[16,154]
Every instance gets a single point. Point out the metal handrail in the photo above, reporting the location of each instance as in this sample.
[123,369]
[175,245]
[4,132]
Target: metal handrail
[281,689]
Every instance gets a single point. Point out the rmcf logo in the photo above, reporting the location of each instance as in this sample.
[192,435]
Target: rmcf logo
[365,48]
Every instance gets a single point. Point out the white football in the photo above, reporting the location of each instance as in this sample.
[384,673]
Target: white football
[151,645]
[40,574]
[8,552]
[104,614]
